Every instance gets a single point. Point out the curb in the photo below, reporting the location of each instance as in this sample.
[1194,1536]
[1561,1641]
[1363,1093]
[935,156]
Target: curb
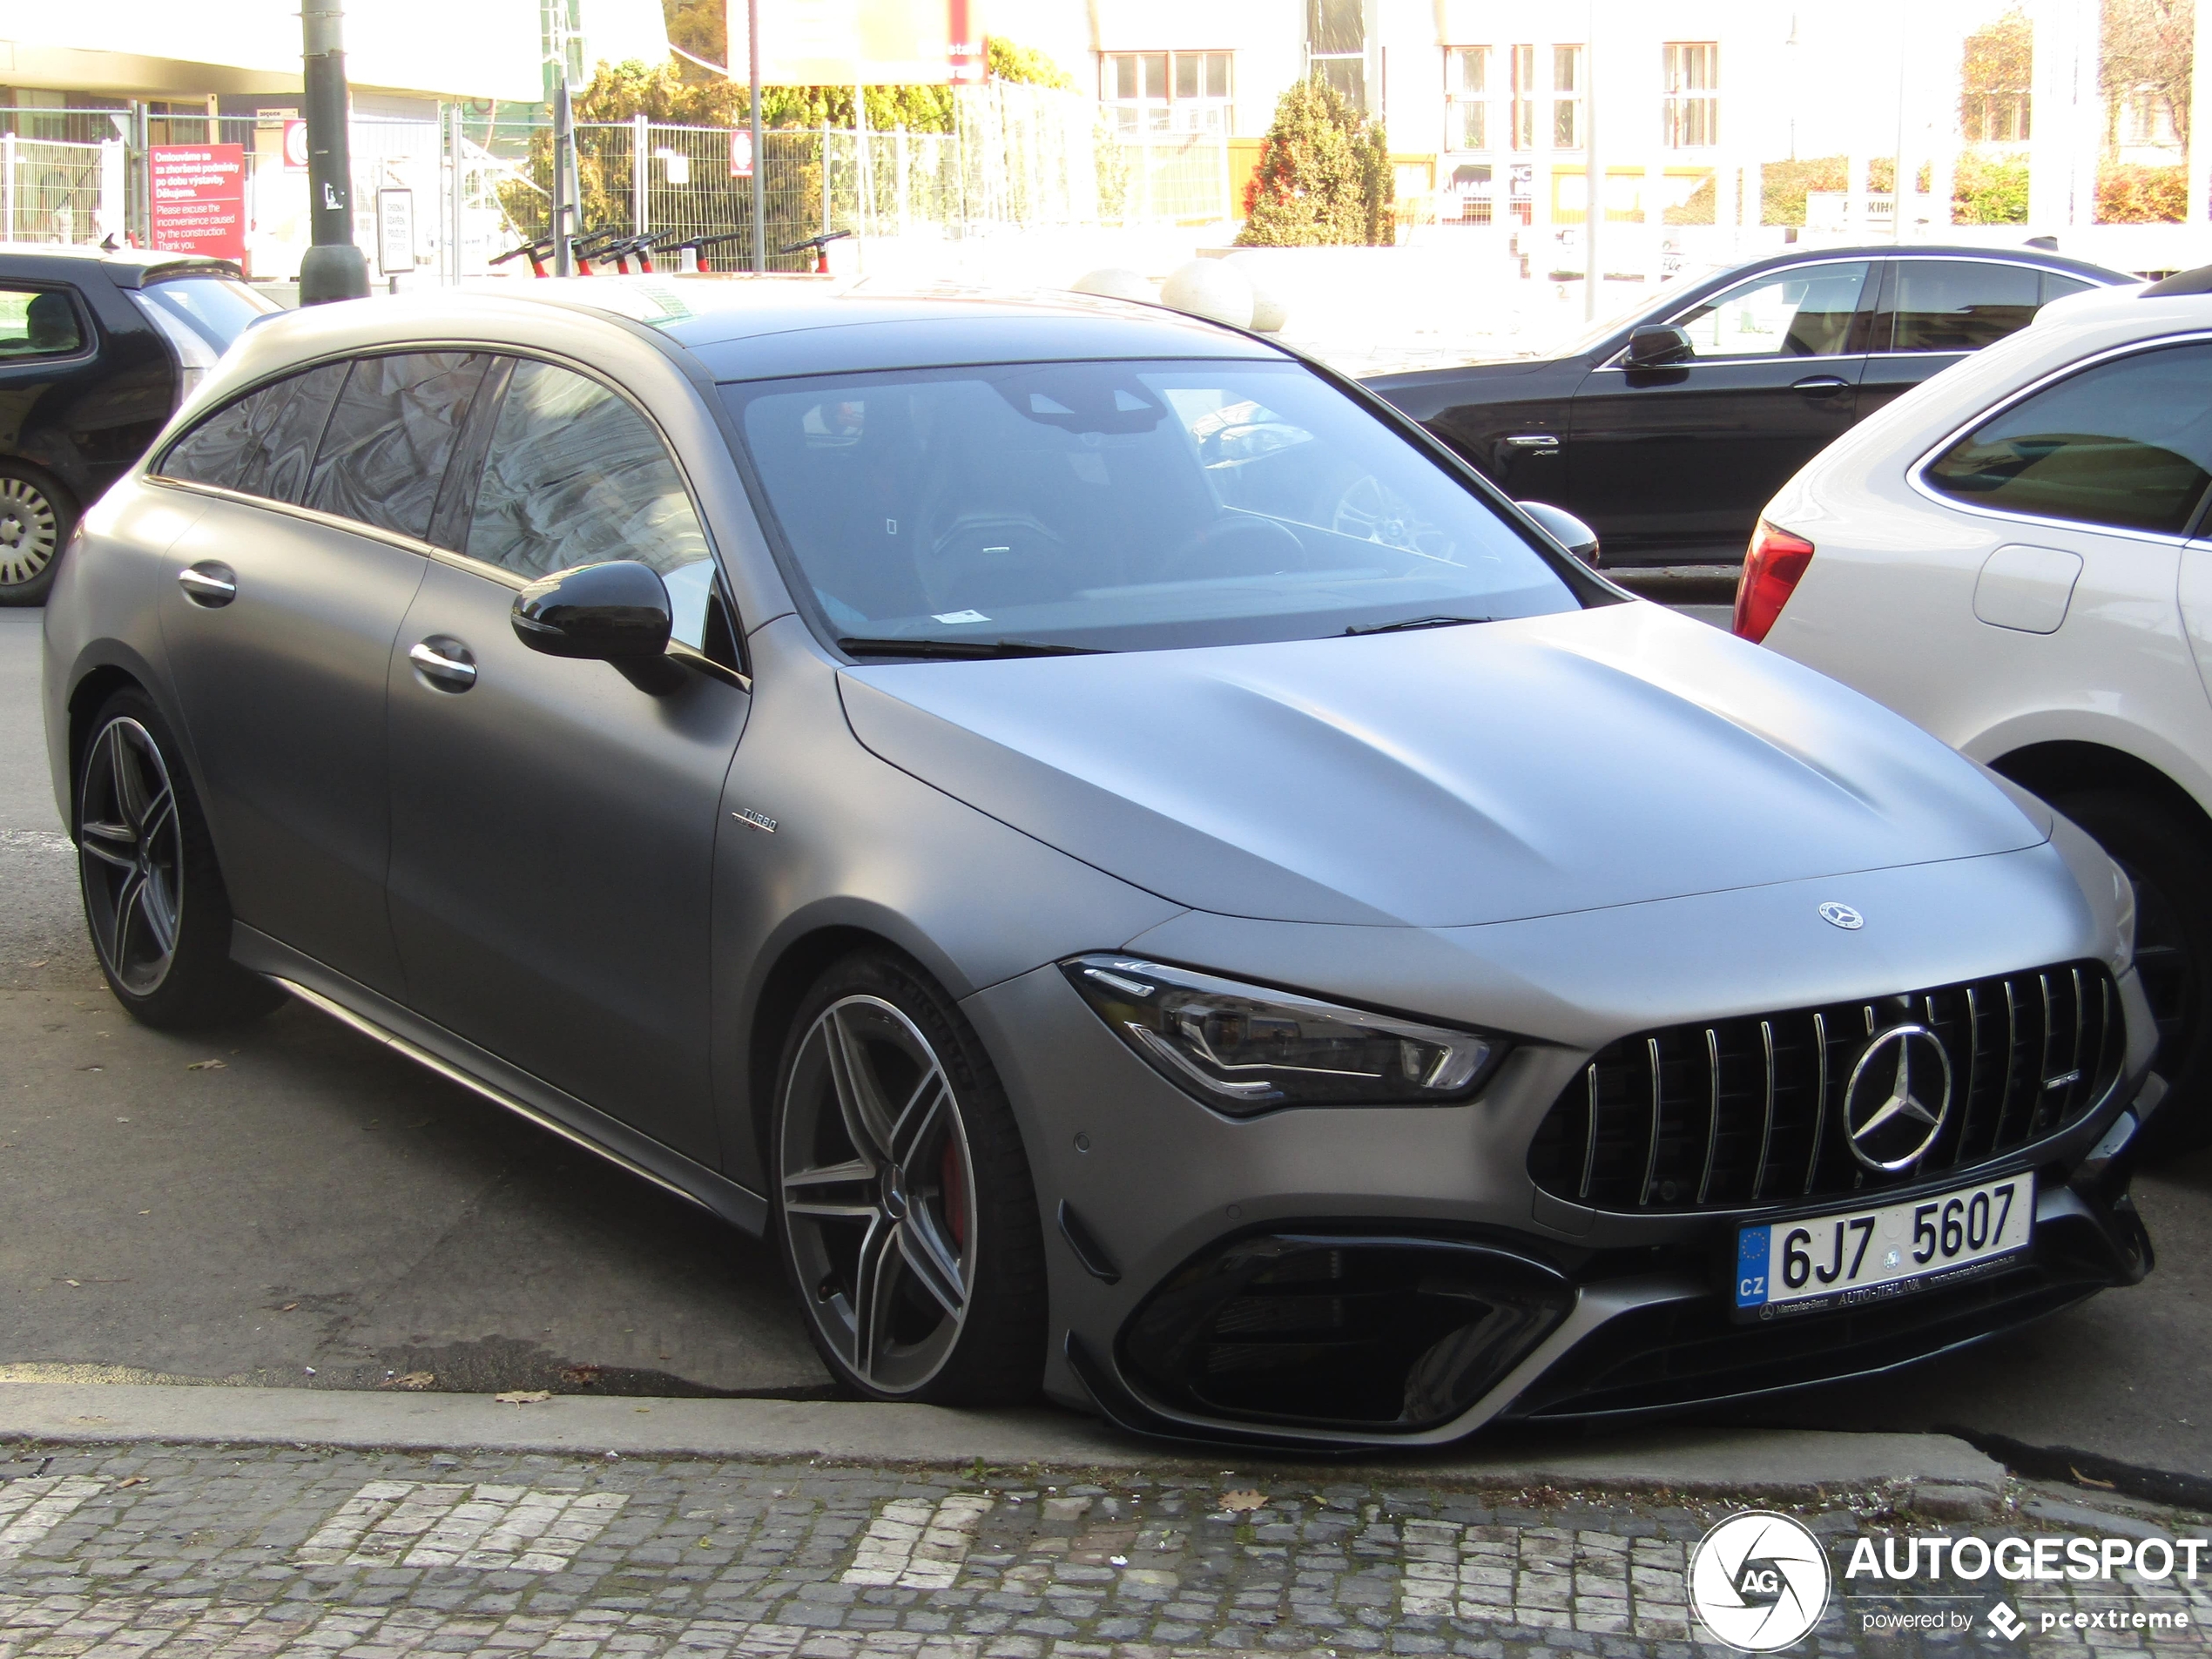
[1772,1463]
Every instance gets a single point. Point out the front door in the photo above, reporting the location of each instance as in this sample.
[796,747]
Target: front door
[279,627]
[1672,465]
[553,826]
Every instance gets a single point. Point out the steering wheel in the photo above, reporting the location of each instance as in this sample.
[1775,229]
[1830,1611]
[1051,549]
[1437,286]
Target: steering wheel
[1371,511]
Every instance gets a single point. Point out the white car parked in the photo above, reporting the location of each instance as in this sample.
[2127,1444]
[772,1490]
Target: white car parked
[2015,555]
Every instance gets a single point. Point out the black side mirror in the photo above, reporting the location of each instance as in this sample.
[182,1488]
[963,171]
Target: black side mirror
[1658,346]
[1564,528]
[615,613]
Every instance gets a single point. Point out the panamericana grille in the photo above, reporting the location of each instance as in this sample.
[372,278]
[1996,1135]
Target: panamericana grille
[1749,1111]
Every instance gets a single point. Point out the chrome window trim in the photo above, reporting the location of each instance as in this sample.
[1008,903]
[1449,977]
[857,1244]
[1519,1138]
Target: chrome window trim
[1915,473]
[1674,321]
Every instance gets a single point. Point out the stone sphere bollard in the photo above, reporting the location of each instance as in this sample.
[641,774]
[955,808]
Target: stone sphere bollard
[1211,288]
[1269,313]
[1113,282]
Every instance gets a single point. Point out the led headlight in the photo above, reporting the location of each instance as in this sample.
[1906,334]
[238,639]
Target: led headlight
[1248,1048]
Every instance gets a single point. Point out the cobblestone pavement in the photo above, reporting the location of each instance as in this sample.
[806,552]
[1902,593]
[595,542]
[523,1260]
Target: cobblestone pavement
[216,1551]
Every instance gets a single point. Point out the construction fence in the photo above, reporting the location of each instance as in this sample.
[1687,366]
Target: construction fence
[477,185]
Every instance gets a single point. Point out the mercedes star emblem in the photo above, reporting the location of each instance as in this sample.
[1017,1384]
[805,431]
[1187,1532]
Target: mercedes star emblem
[1842,916]
[1897,1097]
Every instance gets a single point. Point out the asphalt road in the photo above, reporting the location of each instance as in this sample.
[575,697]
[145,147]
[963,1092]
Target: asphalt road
[312,1211]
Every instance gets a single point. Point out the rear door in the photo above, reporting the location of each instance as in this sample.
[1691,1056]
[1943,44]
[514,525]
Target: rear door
[279,626]
[553,826]
[1934,313]
[1672,465]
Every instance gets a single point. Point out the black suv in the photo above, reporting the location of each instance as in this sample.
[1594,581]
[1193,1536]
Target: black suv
[1668,430]
[96,350]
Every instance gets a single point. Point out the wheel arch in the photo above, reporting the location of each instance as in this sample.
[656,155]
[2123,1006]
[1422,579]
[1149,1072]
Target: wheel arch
[2061,765]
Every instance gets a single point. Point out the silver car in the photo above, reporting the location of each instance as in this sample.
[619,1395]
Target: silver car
[1149,878]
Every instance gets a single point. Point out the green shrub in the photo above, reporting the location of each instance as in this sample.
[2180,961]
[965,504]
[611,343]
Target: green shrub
[2129,194]
[1989,189]
[1324,175]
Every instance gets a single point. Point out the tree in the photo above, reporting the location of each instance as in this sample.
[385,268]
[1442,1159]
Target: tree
[2148,45]
[1996,80]
[1324,175]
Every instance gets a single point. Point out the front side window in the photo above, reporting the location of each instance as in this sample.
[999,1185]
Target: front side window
[575,475]
[2127,443]
[1803,312]
[1119,506]
[263,443]
[1960,305]
[1690,111]
[38,322]
[384,450]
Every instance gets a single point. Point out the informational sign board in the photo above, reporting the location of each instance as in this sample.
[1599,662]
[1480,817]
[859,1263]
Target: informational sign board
[862,43]
[200,198]
[295,146]
[394,232]
[740,155]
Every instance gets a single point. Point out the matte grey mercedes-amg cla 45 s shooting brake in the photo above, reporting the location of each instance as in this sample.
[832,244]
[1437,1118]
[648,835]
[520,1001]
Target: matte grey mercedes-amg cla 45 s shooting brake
[1147,877]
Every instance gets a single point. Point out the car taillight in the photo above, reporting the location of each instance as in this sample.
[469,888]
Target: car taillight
[1771,570]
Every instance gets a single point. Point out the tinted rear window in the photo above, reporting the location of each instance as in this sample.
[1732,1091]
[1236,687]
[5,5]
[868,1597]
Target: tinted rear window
[384,450]
[2127,443]
[1961,305]
[260,443]
[216,308]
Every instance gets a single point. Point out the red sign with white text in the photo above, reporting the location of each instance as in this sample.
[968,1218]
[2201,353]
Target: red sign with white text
[200,198]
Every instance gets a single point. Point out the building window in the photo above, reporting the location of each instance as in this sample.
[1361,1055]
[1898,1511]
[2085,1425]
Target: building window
[1567,98]
[1336,47]
[1466,97]
[1523,116]
[1167,91]
[1690,119]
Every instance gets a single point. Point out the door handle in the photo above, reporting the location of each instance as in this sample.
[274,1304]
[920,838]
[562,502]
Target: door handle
[443,663]
[208,584]
[1821,384]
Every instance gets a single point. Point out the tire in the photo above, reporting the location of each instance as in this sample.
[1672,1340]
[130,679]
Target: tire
[154,901]
[2169,859]
[36,515]
[904,1209]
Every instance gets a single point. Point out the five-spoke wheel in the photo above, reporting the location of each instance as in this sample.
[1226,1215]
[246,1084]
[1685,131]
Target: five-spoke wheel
[131,848]
[905,1213]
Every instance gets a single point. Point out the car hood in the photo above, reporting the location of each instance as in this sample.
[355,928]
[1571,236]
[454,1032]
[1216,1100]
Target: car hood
[1443,778]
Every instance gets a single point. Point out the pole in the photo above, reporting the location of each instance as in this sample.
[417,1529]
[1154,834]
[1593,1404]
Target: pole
[455,139]
[759,158]
[1593,171]
[641,140]
[334,268]
[566,203]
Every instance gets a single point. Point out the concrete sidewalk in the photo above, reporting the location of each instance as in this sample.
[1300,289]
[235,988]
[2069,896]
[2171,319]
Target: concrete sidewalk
[1771,1463]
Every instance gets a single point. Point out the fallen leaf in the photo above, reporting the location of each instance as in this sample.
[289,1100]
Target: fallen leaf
[1242,1502]
[415,1381]
[130,1481]
[287,1307]
[209,1065]
[523,1396]
[72,1281]
[2092,1480]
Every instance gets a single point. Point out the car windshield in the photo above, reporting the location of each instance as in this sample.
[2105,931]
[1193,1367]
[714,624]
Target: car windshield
[218,309]
[1120,506]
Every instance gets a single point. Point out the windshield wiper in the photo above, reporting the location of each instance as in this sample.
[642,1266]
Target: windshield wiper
[1409,622]
[972,649]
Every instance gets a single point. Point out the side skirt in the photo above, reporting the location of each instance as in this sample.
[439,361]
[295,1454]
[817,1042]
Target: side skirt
[459,1061]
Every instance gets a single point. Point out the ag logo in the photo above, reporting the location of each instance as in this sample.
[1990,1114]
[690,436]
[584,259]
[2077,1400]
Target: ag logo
[1759,1580]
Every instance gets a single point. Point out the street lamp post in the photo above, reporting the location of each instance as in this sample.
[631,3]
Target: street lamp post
[334,268]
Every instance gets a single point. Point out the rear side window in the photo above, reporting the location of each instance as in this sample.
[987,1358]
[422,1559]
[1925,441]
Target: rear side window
[390,433]
[217,309]
[1960,305]
[262,443]
[2127,444]
[38,322]
[575,475]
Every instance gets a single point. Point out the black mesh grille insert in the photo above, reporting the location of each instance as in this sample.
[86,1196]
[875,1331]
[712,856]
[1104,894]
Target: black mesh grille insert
[1749,1111]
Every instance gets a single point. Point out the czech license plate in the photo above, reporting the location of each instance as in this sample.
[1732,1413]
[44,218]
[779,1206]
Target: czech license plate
[1853,1256]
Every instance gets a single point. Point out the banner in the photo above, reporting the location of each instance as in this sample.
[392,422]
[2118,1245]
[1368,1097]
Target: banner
[200,198]
[861,42]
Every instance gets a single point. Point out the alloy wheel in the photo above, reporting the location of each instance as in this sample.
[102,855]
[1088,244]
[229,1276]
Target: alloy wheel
[30,531]
[130,852]
[879,1194]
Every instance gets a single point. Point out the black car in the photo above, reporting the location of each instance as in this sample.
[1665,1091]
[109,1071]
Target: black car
[1667,430]
[96,350]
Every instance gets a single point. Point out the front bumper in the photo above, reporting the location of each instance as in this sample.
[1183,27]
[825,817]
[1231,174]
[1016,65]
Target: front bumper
[1158,1211]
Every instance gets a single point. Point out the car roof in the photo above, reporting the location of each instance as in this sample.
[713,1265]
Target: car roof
[130,267]
[746,327]
[2043,259]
